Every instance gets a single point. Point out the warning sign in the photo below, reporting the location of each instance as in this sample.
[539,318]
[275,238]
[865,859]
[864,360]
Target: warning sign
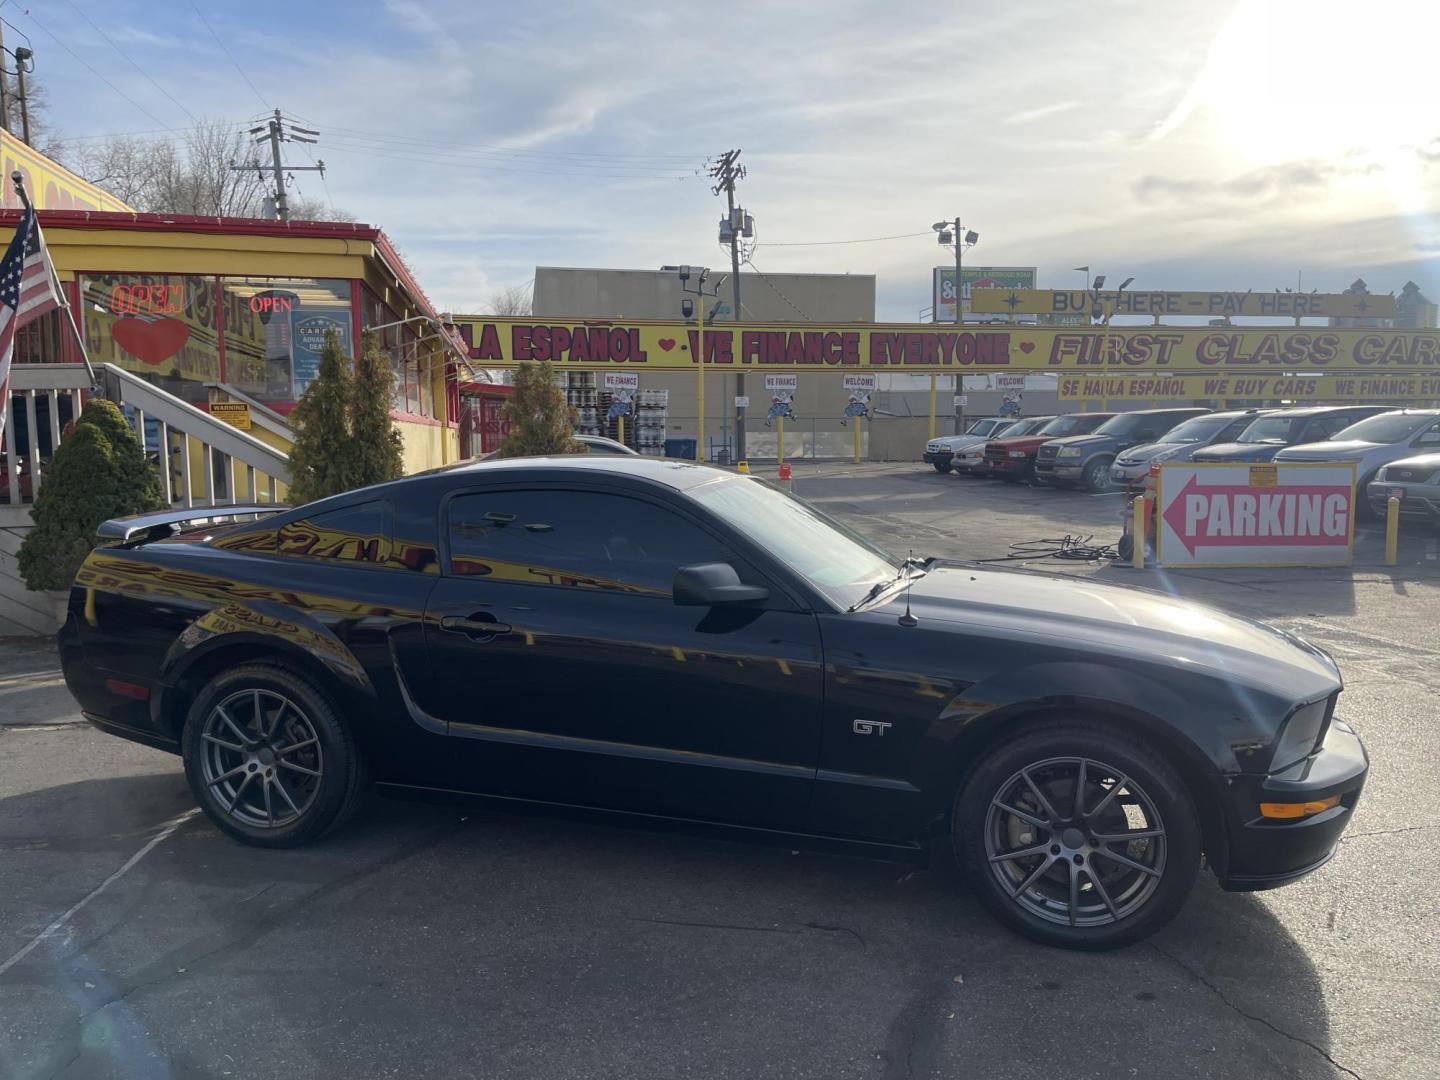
[1290,514]
[234,413]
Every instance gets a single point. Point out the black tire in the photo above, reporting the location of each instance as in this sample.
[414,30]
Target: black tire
[940,468]
[321,773]
[1024,476]
[1135,904]
[1363,510]
[1096,477]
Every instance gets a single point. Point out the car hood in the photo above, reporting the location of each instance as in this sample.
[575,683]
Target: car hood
[1021,442]
[1145,452]
[1329,450]
[1235,451]
[957,442]
[1083,441]
[1122,621]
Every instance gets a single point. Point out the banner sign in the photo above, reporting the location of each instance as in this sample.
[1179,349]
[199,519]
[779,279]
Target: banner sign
[622,386]
[307,341]
[1224,387]
[49,184]
[1209,304]
[859,387]
[859,383]
[975,278]
[781,389]
[622,380]
[1285,514]
[916,348]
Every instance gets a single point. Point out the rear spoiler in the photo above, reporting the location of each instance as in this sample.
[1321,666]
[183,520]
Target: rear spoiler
[140,529]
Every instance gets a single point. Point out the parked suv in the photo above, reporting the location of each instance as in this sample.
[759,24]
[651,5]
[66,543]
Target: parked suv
[941,452]
[1086,459]
[1268,435]
[1372,443]
[1012,456]
[1179,444]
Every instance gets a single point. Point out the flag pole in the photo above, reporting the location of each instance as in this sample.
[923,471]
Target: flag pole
[19,180]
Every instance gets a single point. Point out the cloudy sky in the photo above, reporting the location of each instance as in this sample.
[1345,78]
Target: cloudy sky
[1225,144]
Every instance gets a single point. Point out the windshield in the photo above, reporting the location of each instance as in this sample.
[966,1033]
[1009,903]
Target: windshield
[839,562]
[1123,424]
[986,427]
[1201,429]
[1065,425]
[1027,427]
[1386,428]
[1270,429]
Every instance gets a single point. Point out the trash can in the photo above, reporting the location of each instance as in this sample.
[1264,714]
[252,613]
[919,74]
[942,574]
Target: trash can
[680,448]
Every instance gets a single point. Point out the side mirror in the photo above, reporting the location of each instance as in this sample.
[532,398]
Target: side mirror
[707,584]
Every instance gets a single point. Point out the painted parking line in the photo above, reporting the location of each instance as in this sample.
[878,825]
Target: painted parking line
[30,680]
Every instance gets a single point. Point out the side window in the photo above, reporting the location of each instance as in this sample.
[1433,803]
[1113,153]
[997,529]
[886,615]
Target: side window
[1429,436]
[354,534]
[1322,427]
[575,539]
[1234,428]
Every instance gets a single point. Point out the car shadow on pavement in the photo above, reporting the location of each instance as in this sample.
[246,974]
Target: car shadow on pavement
[599,950]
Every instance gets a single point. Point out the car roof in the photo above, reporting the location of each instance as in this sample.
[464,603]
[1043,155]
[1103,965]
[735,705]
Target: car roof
[680,475]
[1321,410]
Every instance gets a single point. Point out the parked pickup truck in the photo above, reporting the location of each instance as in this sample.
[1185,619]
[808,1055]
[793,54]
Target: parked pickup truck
[1012,457]
[1086,459]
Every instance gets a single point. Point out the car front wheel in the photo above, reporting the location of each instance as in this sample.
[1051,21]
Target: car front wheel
[268,758]
[941,467]
[1096,477]
[1078,836]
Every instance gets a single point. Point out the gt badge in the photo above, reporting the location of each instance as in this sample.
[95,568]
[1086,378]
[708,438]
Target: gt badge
[870,727]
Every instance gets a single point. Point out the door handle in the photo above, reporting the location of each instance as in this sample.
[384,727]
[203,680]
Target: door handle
[476,629]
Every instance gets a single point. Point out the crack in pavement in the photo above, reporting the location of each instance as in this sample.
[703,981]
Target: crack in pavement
[839,930]
[1387,832]
[1255,1018]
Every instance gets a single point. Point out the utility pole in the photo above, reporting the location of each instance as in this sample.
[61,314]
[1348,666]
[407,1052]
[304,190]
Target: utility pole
[725,172]
[22,54]
[4,85]
[274,131]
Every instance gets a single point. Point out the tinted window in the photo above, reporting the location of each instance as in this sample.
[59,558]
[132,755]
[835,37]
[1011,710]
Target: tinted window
[1322,427]
[984,427]
[1027,427]
[355,534]
[578,539]
[1074,424]
[1269,429]
[1232,429]
[1387,427]
[1202,429]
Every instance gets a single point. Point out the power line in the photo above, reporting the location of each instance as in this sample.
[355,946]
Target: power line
[85,64]
[558,170]
[126,56]
[750,262]
[223,48]
[462,156]
[824,243]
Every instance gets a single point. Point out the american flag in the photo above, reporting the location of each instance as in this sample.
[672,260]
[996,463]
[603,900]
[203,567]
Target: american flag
[28,290]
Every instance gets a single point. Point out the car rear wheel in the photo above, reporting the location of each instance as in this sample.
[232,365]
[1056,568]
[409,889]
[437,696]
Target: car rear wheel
[268,758]
[1078,836]
[941,468]
[1096,477]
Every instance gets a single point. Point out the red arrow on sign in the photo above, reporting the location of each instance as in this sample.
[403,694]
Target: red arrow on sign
[1289,515]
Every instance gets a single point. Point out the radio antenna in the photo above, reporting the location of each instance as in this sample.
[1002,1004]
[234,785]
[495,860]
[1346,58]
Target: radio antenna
[907,619]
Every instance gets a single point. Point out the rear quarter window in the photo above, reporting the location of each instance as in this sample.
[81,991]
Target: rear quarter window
[357,534]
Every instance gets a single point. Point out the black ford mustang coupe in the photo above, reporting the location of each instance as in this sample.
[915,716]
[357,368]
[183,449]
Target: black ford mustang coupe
[656,639]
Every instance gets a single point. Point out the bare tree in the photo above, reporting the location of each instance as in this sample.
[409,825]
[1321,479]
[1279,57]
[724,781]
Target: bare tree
[308,209]
[44,136]
[514,300]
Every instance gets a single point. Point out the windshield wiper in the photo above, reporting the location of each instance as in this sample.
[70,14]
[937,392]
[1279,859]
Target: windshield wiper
[880,586]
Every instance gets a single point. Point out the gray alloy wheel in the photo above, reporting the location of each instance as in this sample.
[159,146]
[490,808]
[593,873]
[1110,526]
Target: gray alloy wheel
[1075,841]
[261,758]
[941,468]
[1096,477]
[269,757]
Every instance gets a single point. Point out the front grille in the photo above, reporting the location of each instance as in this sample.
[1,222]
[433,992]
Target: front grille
[994,453]
[1048,452]
[1415,475]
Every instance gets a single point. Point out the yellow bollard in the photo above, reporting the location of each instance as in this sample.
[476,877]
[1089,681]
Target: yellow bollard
[620,420]
[857,440]
[1392,530]
[743,467]
[1137,533]
[780,439]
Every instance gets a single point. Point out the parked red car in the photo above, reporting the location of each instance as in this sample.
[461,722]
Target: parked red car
[1013,460]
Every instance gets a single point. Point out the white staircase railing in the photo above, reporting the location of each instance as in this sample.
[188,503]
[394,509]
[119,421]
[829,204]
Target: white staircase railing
[198,457]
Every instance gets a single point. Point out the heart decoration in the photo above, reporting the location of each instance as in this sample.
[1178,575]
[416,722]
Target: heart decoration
[667,343]
[151,340]
[1027,346]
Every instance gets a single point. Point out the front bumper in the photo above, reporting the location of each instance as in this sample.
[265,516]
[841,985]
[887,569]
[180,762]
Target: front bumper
[1265,853]
[1056,469]
[969,463]
[938,457]
[1129,475]
[1419,502]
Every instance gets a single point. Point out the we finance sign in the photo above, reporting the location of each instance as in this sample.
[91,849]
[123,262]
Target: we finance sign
[1287,514]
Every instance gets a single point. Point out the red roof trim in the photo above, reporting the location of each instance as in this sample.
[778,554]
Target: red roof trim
[95,219]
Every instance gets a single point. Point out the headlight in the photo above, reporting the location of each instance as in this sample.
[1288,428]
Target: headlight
[1069,451]
[1016,454]
[1300,735]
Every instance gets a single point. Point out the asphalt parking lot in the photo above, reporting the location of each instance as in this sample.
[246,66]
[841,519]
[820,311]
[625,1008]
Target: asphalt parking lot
[424,941]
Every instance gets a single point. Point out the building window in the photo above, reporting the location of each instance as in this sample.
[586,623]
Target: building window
[160,326]
[275,329]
